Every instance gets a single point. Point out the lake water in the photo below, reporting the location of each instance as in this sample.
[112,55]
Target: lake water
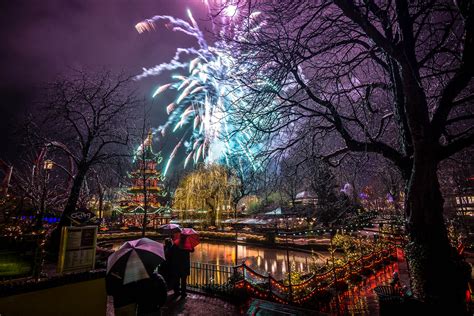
[260,259]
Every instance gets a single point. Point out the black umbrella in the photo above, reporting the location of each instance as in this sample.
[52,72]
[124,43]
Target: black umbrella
[133,261]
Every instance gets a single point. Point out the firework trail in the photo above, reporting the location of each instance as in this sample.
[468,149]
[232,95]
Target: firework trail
[205,94]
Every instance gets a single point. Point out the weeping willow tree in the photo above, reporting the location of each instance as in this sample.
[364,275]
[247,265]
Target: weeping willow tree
[210,190]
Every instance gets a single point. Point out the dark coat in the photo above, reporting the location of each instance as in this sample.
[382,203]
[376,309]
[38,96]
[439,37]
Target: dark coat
[178,262]
[123,294]
[151,294]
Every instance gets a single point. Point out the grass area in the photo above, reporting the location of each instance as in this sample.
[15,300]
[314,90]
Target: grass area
[13,264]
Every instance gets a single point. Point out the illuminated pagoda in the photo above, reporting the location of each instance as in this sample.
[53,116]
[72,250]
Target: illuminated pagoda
[146,181]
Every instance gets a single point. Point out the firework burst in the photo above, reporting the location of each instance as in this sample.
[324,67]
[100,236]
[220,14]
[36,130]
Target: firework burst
[205,92]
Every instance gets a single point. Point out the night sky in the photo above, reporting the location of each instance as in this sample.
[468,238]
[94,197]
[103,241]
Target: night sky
[44,39]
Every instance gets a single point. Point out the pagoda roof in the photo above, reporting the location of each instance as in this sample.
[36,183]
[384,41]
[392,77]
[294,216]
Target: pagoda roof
[152,190]
[140,210]
[150,173]
[149,155]
[145,150]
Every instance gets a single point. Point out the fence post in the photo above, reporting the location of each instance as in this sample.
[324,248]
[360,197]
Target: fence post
[207,274]
[269,285]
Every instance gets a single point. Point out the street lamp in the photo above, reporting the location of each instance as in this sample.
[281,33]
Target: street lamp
[48,165]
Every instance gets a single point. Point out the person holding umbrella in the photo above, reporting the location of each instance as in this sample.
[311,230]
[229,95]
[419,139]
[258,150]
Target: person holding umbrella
[172,230]
[179,259]
[132,280]
[164,268]
[151,295]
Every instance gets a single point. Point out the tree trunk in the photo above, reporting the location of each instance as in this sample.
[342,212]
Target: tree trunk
[69,209]
[73,196]
[42,207]
[438,275]
[213,214]
[101,206]
[145,211]
[101,201]
[211,203]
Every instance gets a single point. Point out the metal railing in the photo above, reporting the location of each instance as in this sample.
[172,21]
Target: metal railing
[267,287]
[221,278]
[209,277]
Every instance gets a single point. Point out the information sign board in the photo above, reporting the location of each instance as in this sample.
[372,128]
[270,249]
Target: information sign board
[77,248]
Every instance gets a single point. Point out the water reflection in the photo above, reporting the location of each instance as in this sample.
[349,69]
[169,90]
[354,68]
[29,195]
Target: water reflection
[261,259]
[357,300]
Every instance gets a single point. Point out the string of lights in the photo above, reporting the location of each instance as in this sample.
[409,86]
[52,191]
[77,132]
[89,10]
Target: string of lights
[270,288]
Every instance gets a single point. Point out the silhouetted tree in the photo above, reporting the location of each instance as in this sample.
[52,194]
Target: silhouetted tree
[88,117]
[393,78]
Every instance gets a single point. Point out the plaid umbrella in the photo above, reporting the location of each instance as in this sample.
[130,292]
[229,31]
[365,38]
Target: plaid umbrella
[188,239]
[169,229]
[133,261]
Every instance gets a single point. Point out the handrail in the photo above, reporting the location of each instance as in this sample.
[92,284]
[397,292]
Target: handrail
[370,258]
[273,289]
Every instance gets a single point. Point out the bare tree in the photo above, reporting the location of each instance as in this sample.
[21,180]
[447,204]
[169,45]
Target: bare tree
[88,117]
[392,184]
[42,176]
[456,176]
[268,185]
[103,180]
[244,177]
[42,182]
[392,78]
[331,204]
[357,171]
[290,178]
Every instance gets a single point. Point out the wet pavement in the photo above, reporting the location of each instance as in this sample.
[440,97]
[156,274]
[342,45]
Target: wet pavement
[196,304]
[193,304]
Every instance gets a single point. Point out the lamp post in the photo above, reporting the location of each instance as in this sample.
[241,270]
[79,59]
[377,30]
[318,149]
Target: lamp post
[47,167]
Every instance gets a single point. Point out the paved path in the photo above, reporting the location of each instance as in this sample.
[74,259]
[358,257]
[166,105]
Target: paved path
[403,271]
[193,304]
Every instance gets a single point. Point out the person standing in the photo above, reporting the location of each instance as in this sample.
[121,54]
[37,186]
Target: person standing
[164,268]
[179,265]
[168,244]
